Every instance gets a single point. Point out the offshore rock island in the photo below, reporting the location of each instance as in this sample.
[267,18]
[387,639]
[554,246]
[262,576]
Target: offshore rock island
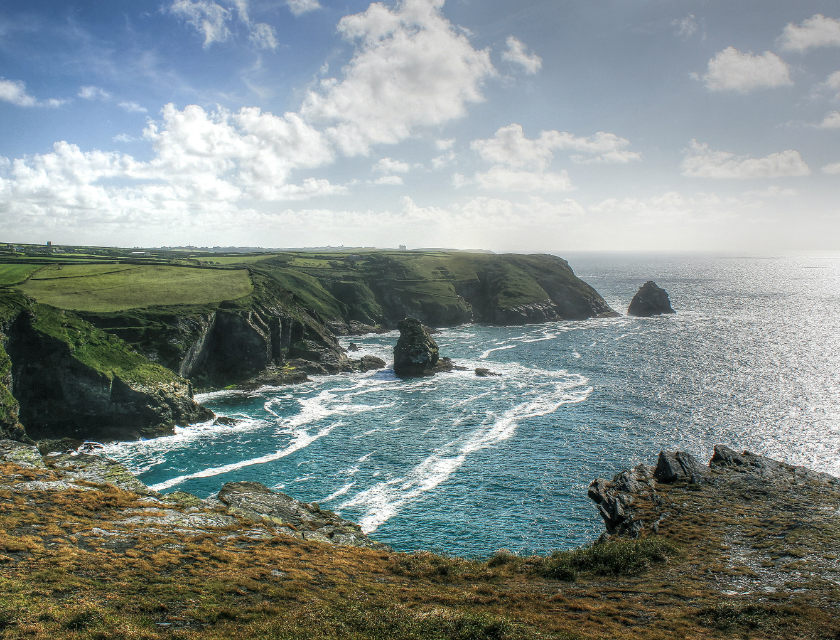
[111,344]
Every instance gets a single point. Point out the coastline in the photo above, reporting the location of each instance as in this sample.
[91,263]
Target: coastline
[744,550]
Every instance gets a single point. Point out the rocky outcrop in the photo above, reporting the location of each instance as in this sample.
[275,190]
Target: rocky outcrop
[65,379]
[256,502]
[650,300]
[243,508]
[632,503]
[482,372]
[416,352]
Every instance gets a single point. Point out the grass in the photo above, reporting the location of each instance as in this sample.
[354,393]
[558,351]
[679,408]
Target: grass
[615,558]
[59,581]
[109,288]
[16,273]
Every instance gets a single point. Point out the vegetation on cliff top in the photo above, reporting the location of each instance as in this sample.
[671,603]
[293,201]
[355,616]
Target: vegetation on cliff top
[104,288]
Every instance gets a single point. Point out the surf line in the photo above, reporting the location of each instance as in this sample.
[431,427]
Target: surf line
[302,439]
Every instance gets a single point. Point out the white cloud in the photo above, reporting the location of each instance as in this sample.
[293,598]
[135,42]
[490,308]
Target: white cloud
[443,160]
[831,85]
[732,70]
[411,69]
[831,121]
[702,162]
[207,17]
[516,53]
[686,27]
[14,91]
[124,137]
[263,36]
[444,145]
[772,192]
[388,166]
[132,107]
[93,93]
[510,147]
[500,178]
[816,31]
[298,7]
[832,168]
[389,180]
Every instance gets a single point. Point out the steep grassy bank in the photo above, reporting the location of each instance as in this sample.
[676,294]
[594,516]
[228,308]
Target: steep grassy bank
[62,377]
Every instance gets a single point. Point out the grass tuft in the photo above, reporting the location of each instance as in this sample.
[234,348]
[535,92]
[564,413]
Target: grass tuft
[613,558]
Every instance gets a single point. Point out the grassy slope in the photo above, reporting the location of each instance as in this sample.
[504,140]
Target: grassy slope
[101,351]
[59,579]
[15,273]
[104,288]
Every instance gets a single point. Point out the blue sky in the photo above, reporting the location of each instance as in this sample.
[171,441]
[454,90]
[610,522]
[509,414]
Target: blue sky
[513,126]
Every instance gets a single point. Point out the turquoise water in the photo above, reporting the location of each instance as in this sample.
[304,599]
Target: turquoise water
[468,465]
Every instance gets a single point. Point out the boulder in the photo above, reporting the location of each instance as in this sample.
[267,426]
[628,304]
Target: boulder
[416,353]
[481,372]
[371,363]
[679,466]
[650,300]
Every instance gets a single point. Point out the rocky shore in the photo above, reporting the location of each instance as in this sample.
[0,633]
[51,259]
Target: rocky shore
[742,548]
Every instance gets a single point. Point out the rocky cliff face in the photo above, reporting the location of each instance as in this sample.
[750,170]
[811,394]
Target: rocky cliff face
[61,396]
[233,341]
[61,378]
[650,300]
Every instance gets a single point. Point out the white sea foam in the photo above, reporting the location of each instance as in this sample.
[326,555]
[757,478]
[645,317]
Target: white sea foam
[384,500]
[339,492]
[485,354]
[301,439]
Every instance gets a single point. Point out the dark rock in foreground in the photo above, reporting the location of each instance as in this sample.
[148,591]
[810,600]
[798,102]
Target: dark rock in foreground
[632,502]
[265,513]
[416,353]
[650,300]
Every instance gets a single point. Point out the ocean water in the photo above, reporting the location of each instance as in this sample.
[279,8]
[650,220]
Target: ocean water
[468,465]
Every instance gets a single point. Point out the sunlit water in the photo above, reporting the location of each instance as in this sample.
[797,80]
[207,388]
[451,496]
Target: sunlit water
[469,465]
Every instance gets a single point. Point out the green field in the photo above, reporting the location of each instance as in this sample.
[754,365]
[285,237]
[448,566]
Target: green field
[16,273]
[108,288]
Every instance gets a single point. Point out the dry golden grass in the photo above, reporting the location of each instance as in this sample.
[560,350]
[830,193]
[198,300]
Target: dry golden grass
[57,580]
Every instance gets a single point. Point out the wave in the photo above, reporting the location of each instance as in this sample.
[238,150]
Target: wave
[384,500]
[301,439]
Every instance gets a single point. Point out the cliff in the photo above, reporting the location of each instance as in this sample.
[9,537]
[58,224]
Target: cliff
[63,378]
[746,550]
[438,288]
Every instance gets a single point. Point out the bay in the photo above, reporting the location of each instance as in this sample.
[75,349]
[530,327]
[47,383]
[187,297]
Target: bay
[467,465]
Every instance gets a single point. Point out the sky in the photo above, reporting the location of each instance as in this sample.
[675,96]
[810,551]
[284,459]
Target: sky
[534,125]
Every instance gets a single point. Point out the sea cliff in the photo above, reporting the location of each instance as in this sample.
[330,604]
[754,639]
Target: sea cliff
[114,351]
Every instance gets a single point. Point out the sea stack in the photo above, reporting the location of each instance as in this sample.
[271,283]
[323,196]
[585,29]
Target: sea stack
[650,300]
[416,353]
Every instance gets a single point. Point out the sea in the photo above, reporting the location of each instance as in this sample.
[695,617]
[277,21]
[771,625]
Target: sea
[467,465]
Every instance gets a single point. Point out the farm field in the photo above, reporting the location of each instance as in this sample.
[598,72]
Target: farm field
[16,273]
[109,288]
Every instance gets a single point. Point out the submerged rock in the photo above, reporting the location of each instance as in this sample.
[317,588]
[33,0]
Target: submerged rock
[650,300]
[481,372]
[416,353]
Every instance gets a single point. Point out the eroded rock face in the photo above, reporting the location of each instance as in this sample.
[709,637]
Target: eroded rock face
[650,300]
[416,353]
[256,502]
[630,504]
[60,396]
